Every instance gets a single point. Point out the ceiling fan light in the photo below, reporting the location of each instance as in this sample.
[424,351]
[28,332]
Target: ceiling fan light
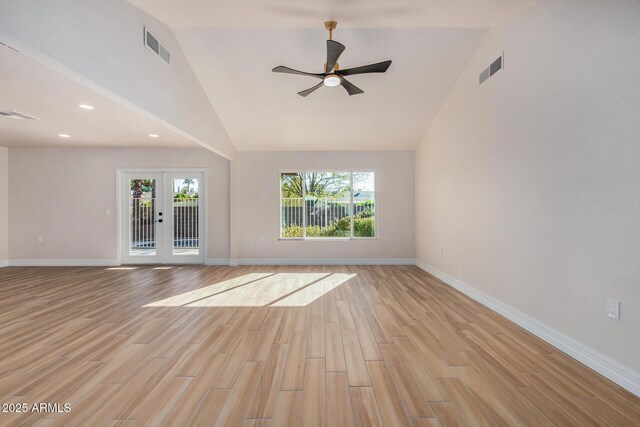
[331,80]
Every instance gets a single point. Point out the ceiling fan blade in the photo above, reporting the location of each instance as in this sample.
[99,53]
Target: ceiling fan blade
[334,50]
[351,88]
[311,89]
[379,67]
[287,70]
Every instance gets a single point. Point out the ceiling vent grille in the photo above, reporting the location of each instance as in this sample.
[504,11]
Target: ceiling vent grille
[492,69]
[153,44]
[12,114]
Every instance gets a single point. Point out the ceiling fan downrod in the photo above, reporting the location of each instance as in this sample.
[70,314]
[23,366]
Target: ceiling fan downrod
[330,25]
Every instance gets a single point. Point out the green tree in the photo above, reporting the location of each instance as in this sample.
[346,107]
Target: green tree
[188,182]
[319,184]
[139,186]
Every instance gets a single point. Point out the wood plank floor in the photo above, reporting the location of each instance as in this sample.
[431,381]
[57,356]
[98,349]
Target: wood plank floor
[280,346]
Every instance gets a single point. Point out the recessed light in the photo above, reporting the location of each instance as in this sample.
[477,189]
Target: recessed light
[153,135]
[64,135]
[86,106]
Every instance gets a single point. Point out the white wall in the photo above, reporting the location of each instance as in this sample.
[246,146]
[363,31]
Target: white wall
[62,194]
[257,204]
[4,206]
[100,43]
[530,182]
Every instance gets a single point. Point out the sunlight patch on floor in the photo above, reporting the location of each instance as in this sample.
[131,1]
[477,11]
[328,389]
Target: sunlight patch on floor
[207,291]
[259,290]
[312,292]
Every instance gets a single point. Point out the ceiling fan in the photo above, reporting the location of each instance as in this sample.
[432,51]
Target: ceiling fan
[333,75]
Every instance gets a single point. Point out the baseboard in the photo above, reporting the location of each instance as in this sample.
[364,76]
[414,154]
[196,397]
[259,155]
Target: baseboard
[216,261]
[213,261]
[616,372]
[63,262]
[323,261]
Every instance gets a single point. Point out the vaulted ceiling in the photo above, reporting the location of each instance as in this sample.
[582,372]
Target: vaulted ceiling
[261,110]
[232,46]
[223,52]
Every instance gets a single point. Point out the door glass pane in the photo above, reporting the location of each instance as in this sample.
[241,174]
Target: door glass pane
[364,204]
[142,228]
[291,205]
[328,202]
[186,211]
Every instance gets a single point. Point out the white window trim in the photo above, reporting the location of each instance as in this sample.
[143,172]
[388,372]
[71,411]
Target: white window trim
[304,206]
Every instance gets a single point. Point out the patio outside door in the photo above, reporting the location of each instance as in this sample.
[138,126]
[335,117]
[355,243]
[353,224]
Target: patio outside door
[161,217]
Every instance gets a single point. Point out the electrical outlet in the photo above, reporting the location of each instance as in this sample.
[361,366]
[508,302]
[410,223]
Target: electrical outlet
[40,239]
[613,308]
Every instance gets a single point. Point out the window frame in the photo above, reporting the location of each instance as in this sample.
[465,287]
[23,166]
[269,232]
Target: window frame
[304,205]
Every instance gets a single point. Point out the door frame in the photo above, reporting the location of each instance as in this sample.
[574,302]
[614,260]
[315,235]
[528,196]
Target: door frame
[121,221]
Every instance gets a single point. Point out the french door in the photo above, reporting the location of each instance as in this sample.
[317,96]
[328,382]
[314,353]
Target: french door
[162,217]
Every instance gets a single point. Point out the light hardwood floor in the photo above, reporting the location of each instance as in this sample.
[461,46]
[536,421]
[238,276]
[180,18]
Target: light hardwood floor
[276,346]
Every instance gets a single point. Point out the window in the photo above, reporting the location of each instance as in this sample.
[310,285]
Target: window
[320,205]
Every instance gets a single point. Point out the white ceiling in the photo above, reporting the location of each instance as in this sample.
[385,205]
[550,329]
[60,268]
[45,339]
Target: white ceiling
[232,46]
[351,13]
[262,111]
[32,88]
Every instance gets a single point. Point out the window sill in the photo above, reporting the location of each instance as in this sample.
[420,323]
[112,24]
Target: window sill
[324,239]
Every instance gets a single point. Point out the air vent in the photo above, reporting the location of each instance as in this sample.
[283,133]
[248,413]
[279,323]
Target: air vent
[492,69]
[153,44]
[16,115]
